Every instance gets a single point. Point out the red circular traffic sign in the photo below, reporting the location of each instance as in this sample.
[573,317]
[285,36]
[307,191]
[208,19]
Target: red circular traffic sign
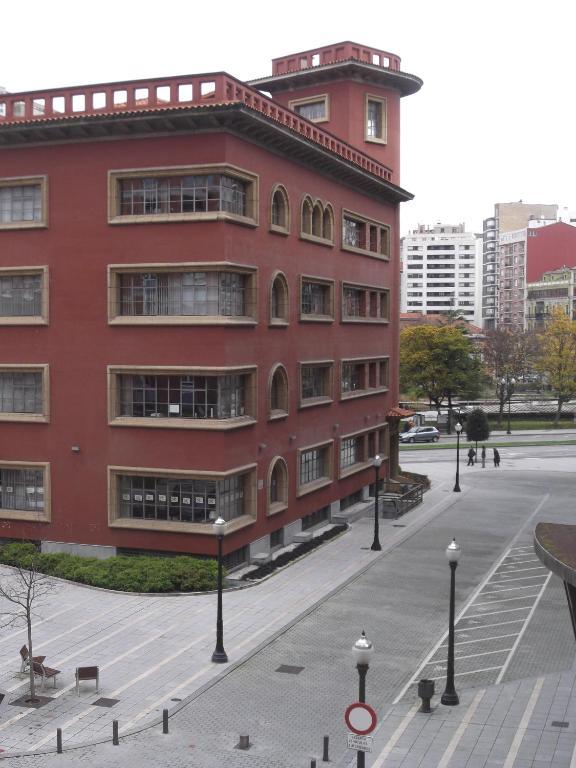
[360,718]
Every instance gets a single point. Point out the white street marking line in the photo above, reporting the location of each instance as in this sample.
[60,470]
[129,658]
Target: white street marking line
[523,726]
[494,613]
[471,656]
[462,674]
[465,722]
[521,578]
[524,546]
[505,600]
[505,667]
[486,626]
[508,589]
[481,640]
[522,570]
[393,740]
[521,562]
[473,597]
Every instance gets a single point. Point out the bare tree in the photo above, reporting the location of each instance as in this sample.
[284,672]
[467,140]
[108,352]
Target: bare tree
[24,591]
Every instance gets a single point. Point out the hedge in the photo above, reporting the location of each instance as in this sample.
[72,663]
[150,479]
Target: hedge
[127,574]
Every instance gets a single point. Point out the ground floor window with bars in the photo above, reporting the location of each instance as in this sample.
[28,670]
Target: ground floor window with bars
[180,499]
[20,295]
[182,396]
[21,489]
[21,392]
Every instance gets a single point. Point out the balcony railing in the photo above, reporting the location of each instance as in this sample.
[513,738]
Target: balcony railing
[172,93]
[332,54]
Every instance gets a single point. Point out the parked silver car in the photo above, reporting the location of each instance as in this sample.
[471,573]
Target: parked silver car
[420,435]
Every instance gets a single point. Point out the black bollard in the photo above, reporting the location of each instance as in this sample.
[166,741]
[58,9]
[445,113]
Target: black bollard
[59,740]
[313,762]
[164,721]
[115,733]
[325,758]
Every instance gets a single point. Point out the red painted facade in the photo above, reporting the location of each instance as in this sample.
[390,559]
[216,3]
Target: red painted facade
[75,152]
[549,248]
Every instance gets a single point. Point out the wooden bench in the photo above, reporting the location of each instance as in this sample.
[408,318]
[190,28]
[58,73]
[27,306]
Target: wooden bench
[46,673]
[25,656]
[87,673]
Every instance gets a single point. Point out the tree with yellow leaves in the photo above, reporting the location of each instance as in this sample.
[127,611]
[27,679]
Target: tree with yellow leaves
[557,358]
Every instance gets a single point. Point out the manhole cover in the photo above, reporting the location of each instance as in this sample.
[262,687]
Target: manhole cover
[105,702]
[559,724]
[399,525]
[289,670]
[175,699]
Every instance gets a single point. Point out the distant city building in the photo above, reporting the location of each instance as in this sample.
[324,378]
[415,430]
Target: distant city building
[525,255]
[556,289]
[507,218]
[439,270]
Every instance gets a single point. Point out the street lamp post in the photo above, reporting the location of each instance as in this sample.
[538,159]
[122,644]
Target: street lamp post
[376,543]
[219,656]
[458,429]
[507,386]
[362,651]
[450,697]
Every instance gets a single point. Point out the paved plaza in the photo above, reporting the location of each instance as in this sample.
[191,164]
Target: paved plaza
[514,655]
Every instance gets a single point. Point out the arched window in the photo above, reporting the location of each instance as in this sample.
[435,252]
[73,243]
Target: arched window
[317,221]
[279,300]
[328,224]
[317,215]
[279,211]
[307,216]
[277,486]
[278,393]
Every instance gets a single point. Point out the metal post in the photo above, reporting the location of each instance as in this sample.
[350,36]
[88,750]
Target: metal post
[312,762]
[450,697]
[362,670]
[325,758]
[219,656]
[376,546]
[164,721]
[59,740]
[115,740]
[509,393]
[457,483]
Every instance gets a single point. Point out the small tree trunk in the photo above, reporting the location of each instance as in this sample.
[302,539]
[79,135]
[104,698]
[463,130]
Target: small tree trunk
[449,424]
[30,657]
[500,412]
[476,456]
[558,412]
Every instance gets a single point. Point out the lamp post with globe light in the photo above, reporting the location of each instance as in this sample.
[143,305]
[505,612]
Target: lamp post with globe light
[450,697]
[219,656]
[362,652]
[376,546]
[458,429]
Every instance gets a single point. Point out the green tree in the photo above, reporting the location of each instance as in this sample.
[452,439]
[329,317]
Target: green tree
[477,427]
[557,358]
[439,362]
[507,353]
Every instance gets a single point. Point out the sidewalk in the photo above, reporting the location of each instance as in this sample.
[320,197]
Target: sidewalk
[155,652]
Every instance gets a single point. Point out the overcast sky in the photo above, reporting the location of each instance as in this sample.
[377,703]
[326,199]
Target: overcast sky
[494,121]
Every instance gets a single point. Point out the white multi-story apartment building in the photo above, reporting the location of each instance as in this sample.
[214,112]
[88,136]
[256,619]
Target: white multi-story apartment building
[440,271]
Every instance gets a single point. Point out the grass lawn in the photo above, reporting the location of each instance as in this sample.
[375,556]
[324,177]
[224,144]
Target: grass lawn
[532,423]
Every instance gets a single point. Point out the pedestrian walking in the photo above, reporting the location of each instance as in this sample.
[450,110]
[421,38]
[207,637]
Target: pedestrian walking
[483,454]
[471,454]
[496,457]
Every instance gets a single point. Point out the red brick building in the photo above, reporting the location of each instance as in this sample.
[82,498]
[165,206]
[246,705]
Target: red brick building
[198,303]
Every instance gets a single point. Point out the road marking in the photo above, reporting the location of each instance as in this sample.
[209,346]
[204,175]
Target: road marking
[393,740]
[523,725]
[504,600]
[461,674]
[465,722]
[520,635]
[487,626]
[508,589]
[482,640]
[521,562]
[521,578]
[472,656]
[522,570]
